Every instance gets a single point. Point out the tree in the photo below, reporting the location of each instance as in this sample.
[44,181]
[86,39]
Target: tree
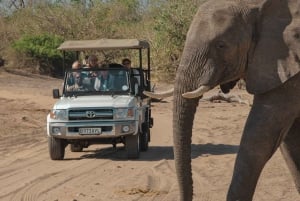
[171,22]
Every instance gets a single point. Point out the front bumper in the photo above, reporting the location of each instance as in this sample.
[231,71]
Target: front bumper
[108,129]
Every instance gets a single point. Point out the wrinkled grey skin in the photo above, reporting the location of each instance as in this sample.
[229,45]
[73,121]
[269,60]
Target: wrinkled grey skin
[257,41]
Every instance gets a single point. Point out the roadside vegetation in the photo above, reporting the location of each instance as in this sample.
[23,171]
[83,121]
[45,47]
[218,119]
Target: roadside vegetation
[32,30]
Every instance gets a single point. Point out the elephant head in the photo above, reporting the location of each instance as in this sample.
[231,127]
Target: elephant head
[227,40]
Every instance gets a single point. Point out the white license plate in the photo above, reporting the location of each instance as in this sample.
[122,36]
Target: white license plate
[89,131]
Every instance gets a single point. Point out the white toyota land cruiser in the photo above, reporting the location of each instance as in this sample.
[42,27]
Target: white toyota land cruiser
[93,111]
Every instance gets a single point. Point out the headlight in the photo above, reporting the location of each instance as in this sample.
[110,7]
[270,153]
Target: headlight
[59,114]
[124,113]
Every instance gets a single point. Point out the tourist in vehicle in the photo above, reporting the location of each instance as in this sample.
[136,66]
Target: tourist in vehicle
[88,77]
[74,78]
[104,82]
[76,65]
[85,60]
[92,62]
[126,63]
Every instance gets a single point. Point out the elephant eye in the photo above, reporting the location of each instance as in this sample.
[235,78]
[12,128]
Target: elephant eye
[220,45]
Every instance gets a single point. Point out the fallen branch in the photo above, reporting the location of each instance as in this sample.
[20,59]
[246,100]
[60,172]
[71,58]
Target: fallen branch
[226,97]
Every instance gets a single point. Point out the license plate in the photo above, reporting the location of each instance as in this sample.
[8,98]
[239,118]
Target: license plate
[89,131]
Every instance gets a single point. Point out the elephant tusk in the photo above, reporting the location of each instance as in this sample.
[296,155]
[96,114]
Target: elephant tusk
[160,95]
[196,93]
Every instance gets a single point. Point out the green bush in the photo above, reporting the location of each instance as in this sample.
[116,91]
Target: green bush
[43,49]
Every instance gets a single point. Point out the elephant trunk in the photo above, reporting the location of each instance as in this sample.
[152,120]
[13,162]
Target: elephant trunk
[183,116]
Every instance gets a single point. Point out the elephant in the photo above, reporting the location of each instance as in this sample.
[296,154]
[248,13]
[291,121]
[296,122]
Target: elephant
[258,41]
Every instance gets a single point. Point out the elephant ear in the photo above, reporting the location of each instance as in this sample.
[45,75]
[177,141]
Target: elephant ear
[276,55]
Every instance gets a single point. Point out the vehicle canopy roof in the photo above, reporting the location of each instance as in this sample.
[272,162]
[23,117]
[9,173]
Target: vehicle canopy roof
[103,44]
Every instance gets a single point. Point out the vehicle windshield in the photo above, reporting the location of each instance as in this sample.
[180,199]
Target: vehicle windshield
[96,81]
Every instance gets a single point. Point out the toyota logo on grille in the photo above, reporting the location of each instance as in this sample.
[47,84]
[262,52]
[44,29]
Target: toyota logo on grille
[90,114]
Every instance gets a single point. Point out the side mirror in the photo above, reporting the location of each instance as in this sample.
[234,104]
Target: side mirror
[55,93]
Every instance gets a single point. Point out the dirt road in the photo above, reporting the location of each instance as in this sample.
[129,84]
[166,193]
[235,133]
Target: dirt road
[100,173]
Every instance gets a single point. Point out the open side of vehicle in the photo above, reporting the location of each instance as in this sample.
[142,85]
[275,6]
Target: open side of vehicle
[102,105]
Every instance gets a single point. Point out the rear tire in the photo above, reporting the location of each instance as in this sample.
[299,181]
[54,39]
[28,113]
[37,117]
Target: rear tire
[76,147]
[144,138]
[132,146]
[56,148]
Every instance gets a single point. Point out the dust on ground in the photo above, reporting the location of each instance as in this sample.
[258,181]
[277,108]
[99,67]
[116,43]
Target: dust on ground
[100,173]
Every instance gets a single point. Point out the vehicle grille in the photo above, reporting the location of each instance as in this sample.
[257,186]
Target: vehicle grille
[90,114]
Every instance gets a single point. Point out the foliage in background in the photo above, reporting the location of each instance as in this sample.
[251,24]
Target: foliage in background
[43,49]
[163,23]
[171,22]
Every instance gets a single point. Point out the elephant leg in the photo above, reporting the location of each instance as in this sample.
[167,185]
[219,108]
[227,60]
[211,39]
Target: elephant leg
[266,126]
[290,149]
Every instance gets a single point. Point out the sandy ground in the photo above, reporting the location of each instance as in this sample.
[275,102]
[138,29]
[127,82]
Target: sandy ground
[101,174]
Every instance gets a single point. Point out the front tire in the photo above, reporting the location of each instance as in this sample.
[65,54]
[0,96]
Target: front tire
[144,138]
[56,148]
[132,146]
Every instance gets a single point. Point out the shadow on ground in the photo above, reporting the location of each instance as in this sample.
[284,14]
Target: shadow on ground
[156,153]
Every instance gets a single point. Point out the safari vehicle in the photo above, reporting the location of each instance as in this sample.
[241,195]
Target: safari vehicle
[87,114]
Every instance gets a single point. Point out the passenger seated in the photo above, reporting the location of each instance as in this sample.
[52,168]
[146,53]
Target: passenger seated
[126,63]
[92,62]
[74,78]
[104,81]
[120,75]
